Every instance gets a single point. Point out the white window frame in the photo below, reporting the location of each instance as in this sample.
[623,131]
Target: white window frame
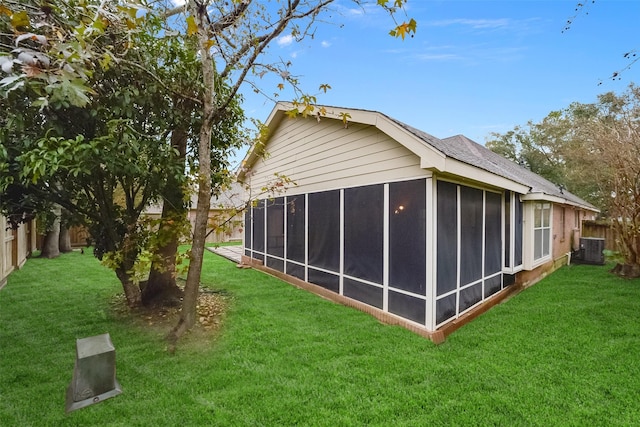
[532,227]
[513,199]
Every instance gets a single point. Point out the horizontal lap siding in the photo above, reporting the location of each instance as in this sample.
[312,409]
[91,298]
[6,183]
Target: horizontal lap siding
[323,155]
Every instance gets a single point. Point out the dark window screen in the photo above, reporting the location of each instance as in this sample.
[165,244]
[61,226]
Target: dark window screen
[407,236]
[247,228]
[492,285]
[470,235]
[518,232]
[508,279]
[363,232]
[324,230]
[507,229]
[409,307]
[275,263]
[447,246]
[445,308]
[493,234]
[295,270]
[470,296]
[275,227]
[295,228]
[367,294]
[326,280]
[258,226]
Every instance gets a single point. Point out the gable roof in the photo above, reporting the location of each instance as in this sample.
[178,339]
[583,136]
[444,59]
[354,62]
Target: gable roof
[455,155]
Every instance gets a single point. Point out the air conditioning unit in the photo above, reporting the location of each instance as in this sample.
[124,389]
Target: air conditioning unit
[592,250]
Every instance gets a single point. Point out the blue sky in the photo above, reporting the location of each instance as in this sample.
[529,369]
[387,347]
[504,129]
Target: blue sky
[473,68]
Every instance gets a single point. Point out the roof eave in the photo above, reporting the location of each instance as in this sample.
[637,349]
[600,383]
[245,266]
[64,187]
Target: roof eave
[557,199]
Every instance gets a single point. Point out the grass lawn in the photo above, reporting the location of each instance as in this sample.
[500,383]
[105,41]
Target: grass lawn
[564,352]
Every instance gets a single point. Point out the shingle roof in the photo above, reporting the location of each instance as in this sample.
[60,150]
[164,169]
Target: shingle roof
[461,148]
[465,150]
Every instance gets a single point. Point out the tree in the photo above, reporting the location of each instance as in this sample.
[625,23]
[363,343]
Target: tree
[594,151]
[103,161]
[552,149]
[612,140]
[232,37]
[145,92]
[53,63]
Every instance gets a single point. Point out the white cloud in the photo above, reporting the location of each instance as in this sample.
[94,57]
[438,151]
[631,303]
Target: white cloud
[179,2]
[325,43]
[478,24]
[285,40]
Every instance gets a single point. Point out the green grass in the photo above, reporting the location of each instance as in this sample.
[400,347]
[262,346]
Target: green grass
[564,352]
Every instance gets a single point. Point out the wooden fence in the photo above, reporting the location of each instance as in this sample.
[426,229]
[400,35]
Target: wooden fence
[601,229]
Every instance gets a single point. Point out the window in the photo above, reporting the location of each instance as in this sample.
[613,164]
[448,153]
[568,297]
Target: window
[541,230]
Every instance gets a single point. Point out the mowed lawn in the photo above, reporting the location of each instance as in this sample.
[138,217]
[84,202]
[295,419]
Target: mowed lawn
[564,352]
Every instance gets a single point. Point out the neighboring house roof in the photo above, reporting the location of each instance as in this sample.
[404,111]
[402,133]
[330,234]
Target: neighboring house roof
[456,155]
[232,196]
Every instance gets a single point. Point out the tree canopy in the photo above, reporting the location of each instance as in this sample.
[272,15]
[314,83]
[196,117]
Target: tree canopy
[594,151]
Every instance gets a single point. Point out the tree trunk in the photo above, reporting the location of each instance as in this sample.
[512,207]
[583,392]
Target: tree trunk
[161,288]
[192,286]
[131,289]
[628,271]
[51,241]
[64,240]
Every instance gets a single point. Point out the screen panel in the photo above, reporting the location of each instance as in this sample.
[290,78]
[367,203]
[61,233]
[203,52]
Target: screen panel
[445,308]
[406,306]
[363,232]
[247,229]
[507,228]
[368,294]
[471,230]
[519,218]
[275,227]
[296,237]
[492,285]
[470,296]
[295,270]
[275,263]
[493,234]
[326,280]
[324,230]
[407,236]
[258,226]
[447,245]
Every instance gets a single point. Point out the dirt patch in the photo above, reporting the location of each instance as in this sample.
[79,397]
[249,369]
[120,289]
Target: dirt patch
[211,309]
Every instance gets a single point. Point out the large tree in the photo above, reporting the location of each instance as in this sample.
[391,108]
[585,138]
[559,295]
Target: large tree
[232,39]
[594,151]
[611,139]
[103,156]
[56,64]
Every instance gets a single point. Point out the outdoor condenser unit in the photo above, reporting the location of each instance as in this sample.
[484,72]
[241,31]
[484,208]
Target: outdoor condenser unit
[94,374]
[592,250]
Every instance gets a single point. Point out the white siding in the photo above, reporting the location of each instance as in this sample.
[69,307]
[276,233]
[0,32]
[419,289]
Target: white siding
[324,155]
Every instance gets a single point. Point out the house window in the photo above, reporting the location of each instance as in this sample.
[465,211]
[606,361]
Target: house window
[541,230]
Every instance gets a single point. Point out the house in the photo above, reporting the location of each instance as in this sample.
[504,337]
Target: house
[225,221]
[413,229]
[15,246]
